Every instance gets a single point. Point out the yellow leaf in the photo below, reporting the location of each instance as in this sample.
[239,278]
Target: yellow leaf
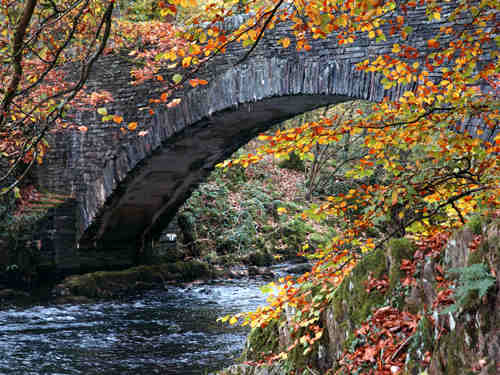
[285,42]
[233,320]
[186,61]
[394,197]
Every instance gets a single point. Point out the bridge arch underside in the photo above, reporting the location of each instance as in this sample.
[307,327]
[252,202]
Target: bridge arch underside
[144,203]
[138,191]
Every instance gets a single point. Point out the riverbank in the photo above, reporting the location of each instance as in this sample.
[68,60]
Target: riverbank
[427,305]
[168,331]
[90,287]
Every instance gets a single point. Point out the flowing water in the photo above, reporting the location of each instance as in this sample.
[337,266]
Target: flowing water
[172,331]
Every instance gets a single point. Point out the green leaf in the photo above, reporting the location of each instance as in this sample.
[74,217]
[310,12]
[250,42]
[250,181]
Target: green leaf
[177,78]
[408,29]
[17,192]
[247,42]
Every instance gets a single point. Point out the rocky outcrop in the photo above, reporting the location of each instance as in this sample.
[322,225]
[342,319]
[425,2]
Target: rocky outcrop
[456,330]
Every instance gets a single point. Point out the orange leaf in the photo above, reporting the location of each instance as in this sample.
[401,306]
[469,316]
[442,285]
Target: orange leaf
[117,119]
[285,42]
[132,126]
[83,129]
[196,81]
[186,61]
[433,43]
[369,354]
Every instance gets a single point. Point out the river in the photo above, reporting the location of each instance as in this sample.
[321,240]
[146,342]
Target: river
[164,331]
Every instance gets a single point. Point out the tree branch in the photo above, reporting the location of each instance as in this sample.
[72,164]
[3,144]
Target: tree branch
[21,29]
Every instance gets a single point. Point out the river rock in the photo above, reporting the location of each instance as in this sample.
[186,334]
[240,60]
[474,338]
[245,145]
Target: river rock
[7,294]
[73,300]
[114,283]
[299,268]
[260,271]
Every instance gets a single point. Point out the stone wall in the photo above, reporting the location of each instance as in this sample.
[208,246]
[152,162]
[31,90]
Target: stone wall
[127,187]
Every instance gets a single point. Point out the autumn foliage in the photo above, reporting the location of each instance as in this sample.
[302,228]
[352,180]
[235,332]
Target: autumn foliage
[435,147]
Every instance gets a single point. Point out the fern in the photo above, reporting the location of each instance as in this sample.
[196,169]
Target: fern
[472,279]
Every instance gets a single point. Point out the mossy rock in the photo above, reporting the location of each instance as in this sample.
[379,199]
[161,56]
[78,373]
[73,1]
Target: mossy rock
[295,233]
[399,249]
[189,270]
[111,283]
[259,259]
[421,343]
[317,239]
[352,304]
[262,341]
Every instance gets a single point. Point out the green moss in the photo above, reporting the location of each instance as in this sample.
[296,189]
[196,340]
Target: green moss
[261,341]
[352,304]
[189,270]
[399,249]
[475,224]
[454,344]
[317,239]
[108,283]
[421,342]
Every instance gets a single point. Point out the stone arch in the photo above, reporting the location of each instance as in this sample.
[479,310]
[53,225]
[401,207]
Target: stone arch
[140,189]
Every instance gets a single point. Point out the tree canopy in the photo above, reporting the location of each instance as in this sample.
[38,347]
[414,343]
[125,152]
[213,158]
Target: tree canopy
[436,146]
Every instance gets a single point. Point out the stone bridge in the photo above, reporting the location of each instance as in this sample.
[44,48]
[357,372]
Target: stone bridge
[124,189]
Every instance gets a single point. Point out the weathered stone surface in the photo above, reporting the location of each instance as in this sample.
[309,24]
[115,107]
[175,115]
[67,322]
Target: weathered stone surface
[127,187]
